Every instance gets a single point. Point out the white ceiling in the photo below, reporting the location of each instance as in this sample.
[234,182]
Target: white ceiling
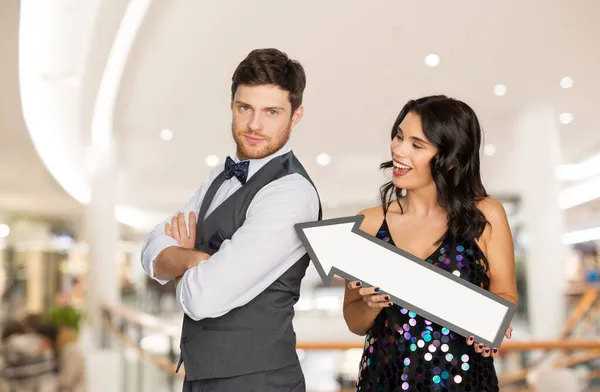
[26,186]
[363,62]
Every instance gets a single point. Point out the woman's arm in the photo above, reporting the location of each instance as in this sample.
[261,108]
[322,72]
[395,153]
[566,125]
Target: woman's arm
[497,244]
[362,305]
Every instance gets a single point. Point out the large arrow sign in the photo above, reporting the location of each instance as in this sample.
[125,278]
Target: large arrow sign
[339,247]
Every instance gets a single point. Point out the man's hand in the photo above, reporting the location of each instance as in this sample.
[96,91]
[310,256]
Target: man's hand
[177,230]
[173,261]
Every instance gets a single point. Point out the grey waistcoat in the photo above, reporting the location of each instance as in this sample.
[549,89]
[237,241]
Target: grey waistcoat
[258,336]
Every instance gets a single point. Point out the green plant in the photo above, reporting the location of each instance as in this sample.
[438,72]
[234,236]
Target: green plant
[64,316]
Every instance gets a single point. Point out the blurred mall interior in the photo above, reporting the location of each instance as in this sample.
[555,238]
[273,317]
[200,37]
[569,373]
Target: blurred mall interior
[113,112]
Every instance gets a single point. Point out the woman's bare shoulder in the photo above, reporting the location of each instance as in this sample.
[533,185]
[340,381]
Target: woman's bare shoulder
[373,219]
[493,211]
[495,215]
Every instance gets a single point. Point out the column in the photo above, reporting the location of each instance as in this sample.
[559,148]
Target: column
[36,284]
[538,153]
[102,236]
[3,278]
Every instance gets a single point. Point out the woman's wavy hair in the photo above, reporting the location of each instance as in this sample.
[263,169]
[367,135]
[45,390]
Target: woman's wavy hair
[451,126]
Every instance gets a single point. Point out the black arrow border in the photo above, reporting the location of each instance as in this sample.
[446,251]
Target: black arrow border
[357,220]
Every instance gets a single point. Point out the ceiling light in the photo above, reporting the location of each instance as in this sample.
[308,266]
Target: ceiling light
[565,118]
[212,160]
[323,159]
[499,90]
[4,230]
[432,60]
[580,170]
[566,82]
[489,150]
[579,194]
[579,236]
[166,134]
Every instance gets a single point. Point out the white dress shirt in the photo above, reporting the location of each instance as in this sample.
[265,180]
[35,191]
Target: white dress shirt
[259,252]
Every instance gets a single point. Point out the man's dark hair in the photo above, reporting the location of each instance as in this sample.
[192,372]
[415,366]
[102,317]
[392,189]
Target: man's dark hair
[12,328]
[271,66]
[49,331]
[32,320]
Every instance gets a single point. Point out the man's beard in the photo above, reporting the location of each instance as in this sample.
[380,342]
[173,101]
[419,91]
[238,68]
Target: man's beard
[269,145]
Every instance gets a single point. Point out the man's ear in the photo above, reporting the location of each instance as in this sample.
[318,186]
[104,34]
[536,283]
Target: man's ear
[297,116]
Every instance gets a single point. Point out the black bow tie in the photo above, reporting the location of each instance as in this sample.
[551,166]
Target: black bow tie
[240,170]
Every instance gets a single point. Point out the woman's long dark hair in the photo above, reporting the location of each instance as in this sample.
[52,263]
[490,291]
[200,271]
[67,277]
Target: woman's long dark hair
[451,126]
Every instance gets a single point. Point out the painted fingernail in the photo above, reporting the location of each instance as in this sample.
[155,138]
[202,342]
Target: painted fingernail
[495,350]
[387,298]
[471,338]
[487,350]
[390,304]
[377,289]
[480,345]
[358,284]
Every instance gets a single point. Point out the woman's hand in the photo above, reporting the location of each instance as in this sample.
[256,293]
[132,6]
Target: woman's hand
[371,295]
[487,351]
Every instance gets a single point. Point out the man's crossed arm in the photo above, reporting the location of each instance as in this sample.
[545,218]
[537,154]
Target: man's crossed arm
[167,256]
[259,252]
[173,261]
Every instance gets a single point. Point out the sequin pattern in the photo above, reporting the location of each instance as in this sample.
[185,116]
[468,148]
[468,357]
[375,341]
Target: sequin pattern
[405,352]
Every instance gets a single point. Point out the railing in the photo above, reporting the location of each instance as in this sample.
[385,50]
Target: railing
[120,321]
[568,351]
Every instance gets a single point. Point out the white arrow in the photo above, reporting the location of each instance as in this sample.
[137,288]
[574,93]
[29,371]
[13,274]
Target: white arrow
[339,247]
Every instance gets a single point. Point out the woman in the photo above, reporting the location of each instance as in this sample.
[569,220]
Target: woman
[441,214]
[71,362]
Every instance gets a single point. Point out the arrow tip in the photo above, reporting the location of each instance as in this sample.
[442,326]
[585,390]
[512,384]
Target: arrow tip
[322,239]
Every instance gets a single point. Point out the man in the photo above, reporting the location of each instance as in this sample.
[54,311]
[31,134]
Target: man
[239,267]
[27,360]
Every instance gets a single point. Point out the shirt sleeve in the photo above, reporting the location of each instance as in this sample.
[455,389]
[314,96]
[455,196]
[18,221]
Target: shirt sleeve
[259,252]
[158,240]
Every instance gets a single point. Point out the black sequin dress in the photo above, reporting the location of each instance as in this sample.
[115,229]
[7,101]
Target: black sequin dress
[405,352]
